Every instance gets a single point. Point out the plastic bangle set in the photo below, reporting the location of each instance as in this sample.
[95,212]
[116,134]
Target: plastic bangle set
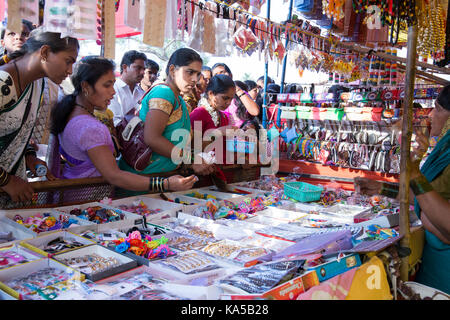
[420,185]
[157,184]
[389,190]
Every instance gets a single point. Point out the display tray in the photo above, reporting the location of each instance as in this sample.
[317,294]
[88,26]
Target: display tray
[16,254]
[124,263]
[236,252]
[207,193]
[203,267]
[13,233]
[129,219]
[347,213]
[242,191]
[38,244]
[281,214]
[178,199]
[182,242]
[81,225]
[168,209]
[220,232]
[19,271]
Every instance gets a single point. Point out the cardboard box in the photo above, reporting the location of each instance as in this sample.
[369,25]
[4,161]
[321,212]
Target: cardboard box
[37,244]
[336,267]
[18,232]
[82,225]
[291,289]
[30,267]
[218,195]
[22,251]
[206,277]
[168,209]
[126,263]
[130,219]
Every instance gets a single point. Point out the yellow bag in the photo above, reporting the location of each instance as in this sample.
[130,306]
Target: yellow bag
[370,282]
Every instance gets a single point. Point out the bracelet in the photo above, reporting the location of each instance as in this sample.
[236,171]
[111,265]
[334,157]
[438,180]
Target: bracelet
[389,190]
[168,186]
[244,93]
[4,178]
[420,185]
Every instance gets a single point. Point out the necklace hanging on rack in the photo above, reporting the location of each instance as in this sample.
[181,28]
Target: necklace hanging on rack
[212,112]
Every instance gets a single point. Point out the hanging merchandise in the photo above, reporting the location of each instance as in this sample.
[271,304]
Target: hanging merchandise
[76,19]
[333,8]
[446,60]
[195,37]
[431,33]
[171,20]
[154,22]
[245,40]
[29,10]
[134,13]
[209,30]
[223,43]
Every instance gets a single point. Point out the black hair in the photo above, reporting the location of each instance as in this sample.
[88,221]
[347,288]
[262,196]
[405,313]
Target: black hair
[130,56]
[255,122]
[250,84]
[39,38]
[241,111]
[150,64]
[206,68]
[27,23]
[183,57]
[269,79]
[220,83]
[220,64]
[89,69]
[444,97]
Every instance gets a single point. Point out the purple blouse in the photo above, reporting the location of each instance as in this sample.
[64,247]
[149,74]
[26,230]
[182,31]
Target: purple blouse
[81,134]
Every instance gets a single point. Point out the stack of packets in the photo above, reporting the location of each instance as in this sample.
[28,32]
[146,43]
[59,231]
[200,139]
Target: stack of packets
[376,232]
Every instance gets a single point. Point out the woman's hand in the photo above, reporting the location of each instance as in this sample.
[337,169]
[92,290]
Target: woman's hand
[367,187]
[419,150]
[32,161]
[180,183]
[18,189]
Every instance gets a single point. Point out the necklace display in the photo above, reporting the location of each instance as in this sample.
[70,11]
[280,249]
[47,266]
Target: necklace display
[85,108]
[212,112]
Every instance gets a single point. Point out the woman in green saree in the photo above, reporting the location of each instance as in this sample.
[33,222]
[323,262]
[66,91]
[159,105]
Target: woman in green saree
[166,117]
[44,54]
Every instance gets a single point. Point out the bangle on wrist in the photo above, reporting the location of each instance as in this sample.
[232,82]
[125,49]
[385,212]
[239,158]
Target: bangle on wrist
[4,178]
[168,185]
[389,190]
[420,185]
[243,93]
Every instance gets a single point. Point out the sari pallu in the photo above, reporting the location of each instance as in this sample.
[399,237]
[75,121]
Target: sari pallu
[433,271]
[17,119]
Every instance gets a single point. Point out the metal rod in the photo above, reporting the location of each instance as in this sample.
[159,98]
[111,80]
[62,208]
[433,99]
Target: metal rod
[283,72]
[405,160]
[266,71]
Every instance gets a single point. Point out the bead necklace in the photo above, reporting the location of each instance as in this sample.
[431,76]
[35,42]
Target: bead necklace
[212,112]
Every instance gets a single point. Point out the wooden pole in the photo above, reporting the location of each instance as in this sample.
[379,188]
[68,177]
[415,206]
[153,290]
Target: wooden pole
[110,29]
[405,160]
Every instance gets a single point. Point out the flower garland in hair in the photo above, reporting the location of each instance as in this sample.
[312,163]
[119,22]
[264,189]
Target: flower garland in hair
[212,112]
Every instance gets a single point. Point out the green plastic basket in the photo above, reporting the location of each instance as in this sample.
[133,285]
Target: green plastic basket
[302,191]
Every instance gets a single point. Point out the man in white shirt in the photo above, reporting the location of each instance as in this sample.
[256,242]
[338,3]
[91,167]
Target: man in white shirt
[128,91]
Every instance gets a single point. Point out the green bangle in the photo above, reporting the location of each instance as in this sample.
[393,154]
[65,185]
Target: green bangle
[389,190]
[420,185]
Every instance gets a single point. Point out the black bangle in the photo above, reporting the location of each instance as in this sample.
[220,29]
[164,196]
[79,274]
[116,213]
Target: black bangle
[420,185]
[244,93]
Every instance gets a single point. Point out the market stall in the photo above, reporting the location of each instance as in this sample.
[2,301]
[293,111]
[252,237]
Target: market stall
[290,236]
